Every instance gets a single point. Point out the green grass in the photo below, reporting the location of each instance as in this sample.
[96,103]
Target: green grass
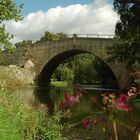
[19,121]
[59,83]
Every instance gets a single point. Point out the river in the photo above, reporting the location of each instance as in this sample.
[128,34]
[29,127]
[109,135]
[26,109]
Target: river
[90,102]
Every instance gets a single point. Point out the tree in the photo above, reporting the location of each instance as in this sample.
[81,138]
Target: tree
[9,10]
[50,36]
[23,43]
[128,30]
[85,69]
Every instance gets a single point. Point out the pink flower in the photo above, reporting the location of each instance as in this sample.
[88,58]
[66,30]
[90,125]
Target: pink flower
[87,123]
[131,91]
[122,103]
[123,98]
[69,101]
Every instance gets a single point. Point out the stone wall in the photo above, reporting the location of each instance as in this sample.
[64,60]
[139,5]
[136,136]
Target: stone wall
[18,56]
[12,76]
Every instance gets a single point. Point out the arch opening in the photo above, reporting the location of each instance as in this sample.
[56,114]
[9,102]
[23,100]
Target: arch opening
[44,77]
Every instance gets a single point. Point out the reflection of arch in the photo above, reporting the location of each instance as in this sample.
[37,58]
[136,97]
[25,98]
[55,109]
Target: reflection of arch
[49,68]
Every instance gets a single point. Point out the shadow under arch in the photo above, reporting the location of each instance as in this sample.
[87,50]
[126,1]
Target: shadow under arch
[43,79]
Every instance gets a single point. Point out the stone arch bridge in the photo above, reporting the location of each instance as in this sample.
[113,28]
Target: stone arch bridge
[46,56]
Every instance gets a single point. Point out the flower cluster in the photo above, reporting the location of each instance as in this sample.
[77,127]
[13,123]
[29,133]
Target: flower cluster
[109,103]
[108,99]
[132,91]
[122,103]
[69,101]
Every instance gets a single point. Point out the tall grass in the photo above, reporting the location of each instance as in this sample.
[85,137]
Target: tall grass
[19,121]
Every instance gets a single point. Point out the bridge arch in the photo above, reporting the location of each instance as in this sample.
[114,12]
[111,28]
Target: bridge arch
[46,73]
[49,68]
[48,55]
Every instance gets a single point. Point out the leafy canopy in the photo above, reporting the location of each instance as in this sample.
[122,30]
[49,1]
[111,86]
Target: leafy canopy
[128,30]
[9,10]
[129,25]
[23,43]
[50,36]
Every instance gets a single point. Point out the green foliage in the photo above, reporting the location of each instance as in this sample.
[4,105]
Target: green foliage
[2,59]
[63,73]
[59,83]
[50,36]
[84,69]
[4,37]
[23,43]
[135,75]
[76,69]
[55,127]
[19,121]
[129,26]
[128,30]
[135,100]
[9,10]
[129,50]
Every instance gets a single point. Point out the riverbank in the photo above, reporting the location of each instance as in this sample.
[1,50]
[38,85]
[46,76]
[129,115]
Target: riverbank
[19,121]
[59,83]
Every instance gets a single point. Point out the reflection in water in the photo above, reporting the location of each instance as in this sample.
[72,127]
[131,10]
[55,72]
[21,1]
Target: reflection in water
[36,96]
[27,95]
[87,107]
[52,96]
[42,94]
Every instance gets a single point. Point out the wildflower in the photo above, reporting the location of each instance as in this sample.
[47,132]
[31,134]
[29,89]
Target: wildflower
[131,91]
[87,122]
[123,98]
[122,103]
[69,101]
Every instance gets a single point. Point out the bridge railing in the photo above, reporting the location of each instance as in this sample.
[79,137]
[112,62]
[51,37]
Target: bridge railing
[90,36]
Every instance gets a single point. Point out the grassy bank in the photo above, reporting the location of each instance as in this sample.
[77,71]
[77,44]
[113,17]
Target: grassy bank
[19,121]
[59,83]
